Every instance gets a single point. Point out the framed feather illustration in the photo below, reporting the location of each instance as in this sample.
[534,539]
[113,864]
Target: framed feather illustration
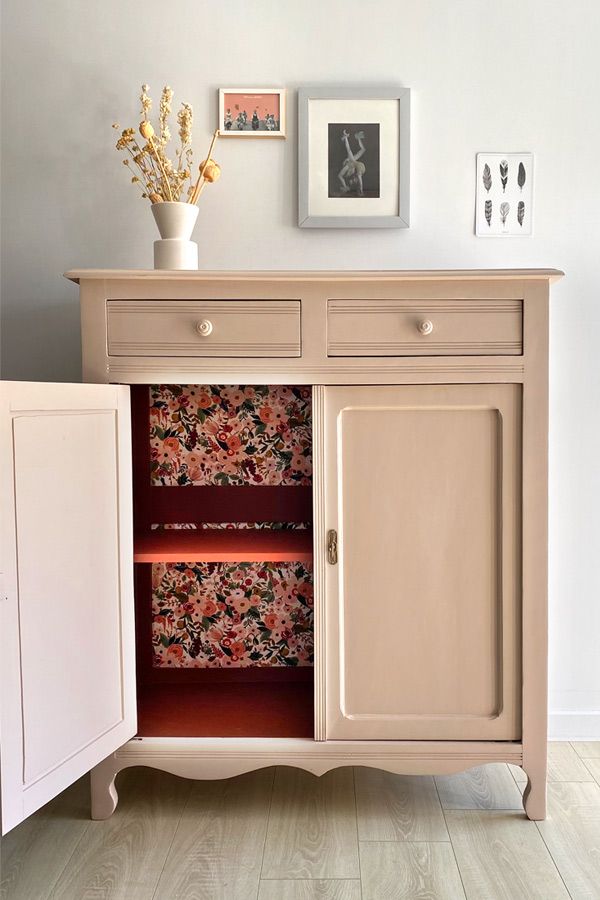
[504,195]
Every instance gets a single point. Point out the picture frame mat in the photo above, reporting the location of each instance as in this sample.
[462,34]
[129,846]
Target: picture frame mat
[321,113]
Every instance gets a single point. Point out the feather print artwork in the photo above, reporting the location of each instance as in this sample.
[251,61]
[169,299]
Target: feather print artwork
[488,212]
[487,178]
[504,204]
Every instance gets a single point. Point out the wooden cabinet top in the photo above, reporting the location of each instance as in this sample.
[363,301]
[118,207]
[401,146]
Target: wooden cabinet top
[147,326]
[79,275]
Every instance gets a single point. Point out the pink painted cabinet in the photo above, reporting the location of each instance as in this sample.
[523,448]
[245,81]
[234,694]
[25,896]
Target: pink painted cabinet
[290,518]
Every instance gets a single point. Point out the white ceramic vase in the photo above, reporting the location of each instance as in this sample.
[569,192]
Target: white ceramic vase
[175,221]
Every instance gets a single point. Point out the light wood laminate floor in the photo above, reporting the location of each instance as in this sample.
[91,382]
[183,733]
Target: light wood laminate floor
[281,834]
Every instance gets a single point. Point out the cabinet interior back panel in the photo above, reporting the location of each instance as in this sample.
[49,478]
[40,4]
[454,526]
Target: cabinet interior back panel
[56,534]
[242,615]
[421,547]
[203,434]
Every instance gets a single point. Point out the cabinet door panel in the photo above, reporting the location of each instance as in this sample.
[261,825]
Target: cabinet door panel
[423,628]
[68,690]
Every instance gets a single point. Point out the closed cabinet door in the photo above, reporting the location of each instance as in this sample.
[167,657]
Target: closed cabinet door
[422,619]
[67,668]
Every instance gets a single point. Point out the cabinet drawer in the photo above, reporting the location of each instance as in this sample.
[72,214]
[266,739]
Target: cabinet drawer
[424,328]
[204,328]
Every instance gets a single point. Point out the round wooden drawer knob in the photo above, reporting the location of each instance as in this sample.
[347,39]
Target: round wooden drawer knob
[425,327]
[204,327]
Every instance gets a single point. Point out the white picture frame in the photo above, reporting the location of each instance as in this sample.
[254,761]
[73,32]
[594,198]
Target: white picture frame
[373,122]
[264,109]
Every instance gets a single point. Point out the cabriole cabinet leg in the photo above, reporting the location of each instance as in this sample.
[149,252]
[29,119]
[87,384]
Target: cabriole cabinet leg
[534,795]
[104,792]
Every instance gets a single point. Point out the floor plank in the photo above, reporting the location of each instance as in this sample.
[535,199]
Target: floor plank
[312,826]
[572,834]
[587,749]
[217,849]
[409,871]
[121,858]
[397,807]
[593,765]
[319,889]
[484,787]
[501,856]
[563,765]
[35,852]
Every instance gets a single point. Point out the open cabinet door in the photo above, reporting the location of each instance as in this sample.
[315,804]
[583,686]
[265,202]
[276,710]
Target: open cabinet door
[67,664]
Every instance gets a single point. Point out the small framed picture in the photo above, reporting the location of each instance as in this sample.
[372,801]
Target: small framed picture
[252,112]
[353,157]
[504,195]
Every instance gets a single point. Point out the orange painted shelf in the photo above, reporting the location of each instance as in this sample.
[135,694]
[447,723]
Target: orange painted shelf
[223,545]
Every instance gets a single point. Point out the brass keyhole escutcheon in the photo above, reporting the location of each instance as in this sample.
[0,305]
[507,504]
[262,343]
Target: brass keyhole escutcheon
[332,552]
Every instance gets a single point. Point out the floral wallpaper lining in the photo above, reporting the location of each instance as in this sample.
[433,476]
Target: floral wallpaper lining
[223,614]
[236,435]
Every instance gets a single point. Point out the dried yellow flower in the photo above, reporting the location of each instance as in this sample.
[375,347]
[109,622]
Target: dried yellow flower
[184,120]
[145,101]
[165,112]
[146,130]
[155,198]
[211,171]
[127,136]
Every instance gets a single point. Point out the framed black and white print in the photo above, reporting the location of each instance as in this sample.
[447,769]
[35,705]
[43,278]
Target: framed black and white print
[353,157]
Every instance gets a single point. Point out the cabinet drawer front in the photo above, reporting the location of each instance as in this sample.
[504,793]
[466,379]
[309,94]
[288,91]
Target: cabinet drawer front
[204,328]
[424,327]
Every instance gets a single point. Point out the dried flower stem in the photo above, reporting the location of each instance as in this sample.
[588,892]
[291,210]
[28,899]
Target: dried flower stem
[155,174]
[196,191]
[162,168]
[144,173]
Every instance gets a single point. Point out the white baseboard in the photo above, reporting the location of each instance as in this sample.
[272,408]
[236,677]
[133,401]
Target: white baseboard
[574,726]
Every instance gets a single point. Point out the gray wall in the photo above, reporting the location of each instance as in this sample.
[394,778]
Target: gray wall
[485,76]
